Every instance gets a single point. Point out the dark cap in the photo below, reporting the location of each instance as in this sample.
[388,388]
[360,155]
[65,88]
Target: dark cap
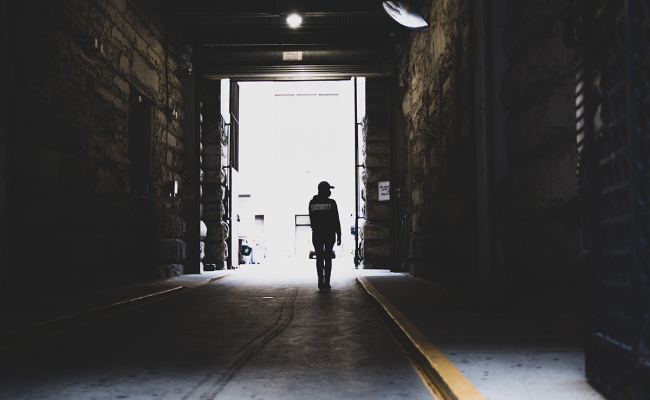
[324,186]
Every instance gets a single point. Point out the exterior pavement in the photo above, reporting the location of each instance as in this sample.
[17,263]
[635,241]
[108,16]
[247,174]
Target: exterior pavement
[273,335]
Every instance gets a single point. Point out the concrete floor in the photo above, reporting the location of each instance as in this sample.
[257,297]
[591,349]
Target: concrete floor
[265,332]
[505,356]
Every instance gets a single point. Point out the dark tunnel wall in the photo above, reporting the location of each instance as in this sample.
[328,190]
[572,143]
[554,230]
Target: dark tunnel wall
[78,217]
[537,200]
[440,154]
[4,99]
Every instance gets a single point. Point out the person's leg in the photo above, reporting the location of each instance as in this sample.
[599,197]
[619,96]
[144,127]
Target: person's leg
[327,262]
[320,261]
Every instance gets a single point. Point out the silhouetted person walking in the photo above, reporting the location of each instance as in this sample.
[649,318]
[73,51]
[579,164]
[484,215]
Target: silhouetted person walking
[325,227]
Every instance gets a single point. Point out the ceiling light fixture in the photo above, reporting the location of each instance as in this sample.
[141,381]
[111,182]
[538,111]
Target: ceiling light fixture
[405,16]
[294,20]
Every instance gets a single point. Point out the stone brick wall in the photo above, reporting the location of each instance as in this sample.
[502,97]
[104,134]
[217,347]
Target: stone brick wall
[73,205]
[538,197]
[215,146]
[441,173]
[375,231]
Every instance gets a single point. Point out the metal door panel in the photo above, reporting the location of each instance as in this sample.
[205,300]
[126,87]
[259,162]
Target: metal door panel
[613,123]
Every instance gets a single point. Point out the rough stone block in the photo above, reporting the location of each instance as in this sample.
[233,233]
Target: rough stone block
[213,212]
[169,251]
[203,230]
[372,231]
[377,147]
[201,250]
[144,72]
[212,191]
[211,149]
[212,129]
[217,230]
[375,175]
[371,193]
[376,250]
[376,128]
[377,160]
[168,271]
[211,162]
[377,212]
[168,225]
[216,176]
[215,251]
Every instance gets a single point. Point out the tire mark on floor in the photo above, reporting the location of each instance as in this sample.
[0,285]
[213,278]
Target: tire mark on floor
[248,351]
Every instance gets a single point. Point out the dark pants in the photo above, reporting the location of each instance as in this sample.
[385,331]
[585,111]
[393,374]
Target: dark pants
[323,245]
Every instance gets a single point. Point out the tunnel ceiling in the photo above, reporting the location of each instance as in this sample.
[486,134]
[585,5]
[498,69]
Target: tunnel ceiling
[249,39]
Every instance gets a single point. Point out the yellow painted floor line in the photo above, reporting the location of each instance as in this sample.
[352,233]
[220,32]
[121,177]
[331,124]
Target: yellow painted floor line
[441,372]
[138,298]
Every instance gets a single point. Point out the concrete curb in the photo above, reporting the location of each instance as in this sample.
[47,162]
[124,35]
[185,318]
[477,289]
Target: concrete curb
[439,373]
[25,334]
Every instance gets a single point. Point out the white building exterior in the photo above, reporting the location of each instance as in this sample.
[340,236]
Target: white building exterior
[294,135]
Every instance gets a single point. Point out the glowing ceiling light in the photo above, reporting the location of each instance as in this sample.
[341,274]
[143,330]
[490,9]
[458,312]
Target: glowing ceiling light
[294,20]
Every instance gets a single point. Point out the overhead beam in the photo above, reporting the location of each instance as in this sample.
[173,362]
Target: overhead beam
[268,62]
[271,7]
[281,36]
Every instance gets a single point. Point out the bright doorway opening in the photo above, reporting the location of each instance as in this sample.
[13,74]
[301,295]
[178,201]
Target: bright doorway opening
[293,135]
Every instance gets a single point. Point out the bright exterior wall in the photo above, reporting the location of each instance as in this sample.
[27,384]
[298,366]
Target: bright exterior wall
[294,135]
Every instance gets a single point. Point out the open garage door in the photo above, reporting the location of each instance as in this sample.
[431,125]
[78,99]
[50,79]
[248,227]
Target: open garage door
[233,176]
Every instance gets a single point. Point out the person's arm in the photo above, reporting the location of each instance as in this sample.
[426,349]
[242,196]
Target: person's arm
[338,225]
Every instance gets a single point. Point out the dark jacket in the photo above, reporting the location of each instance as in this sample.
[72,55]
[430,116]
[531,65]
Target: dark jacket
[324,215]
